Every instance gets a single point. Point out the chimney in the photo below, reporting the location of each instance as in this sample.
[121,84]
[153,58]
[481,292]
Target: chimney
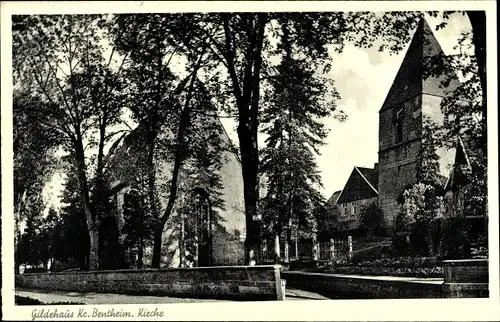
[375,167]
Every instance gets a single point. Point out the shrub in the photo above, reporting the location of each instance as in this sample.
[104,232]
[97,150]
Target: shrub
[24,300]
[21,300]
[401,245]
[422,267]
[371,220]
[455,243]
[419,238]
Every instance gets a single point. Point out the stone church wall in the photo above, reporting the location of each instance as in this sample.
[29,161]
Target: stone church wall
[229,247]
[398,161]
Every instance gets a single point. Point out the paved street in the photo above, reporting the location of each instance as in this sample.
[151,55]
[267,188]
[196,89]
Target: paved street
[109,298]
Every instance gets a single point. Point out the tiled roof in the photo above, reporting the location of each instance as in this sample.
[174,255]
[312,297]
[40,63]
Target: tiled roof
[371,175]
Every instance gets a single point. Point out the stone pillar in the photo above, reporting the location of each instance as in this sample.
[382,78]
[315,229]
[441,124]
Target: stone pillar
[466,278]
[264,249]
[315,248]
[287,252]
[332,249]
[349,241]
[277,250]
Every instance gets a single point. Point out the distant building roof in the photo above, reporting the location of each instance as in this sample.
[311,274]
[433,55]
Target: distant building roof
[457,177]
[362,184]
[333,199]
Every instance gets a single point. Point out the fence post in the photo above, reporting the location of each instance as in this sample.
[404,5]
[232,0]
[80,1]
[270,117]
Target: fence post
[264,249]
[277,249]
[349,241]
[332,249]
[287,251]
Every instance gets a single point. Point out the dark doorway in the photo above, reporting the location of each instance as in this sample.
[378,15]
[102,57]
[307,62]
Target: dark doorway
[204,220]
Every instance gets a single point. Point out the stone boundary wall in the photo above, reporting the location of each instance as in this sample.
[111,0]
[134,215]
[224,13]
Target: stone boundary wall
[361,287]
[219,282]
[466,278]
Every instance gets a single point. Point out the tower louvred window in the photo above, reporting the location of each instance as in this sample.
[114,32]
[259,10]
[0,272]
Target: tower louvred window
[398,123]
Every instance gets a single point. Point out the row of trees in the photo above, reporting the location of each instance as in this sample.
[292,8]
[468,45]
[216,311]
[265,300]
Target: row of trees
[81,74]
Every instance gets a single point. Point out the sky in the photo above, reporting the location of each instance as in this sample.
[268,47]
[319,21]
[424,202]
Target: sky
[362,78]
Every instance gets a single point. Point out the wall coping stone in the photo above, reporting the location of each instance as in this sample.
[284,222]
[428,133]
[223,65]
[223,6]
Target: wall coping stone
[164,269]
[354,286]
[378,280]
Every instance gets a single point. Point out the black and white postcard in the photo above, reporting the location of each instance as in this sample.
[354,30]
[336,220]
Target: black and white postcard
[255,160]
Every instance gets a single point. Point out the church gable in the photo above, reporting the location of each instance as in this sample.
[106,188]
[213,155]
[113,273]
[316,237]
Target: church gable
[358,186]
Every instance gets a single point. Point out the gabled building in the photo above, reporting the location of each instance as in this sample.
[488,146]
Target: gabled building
[359,191]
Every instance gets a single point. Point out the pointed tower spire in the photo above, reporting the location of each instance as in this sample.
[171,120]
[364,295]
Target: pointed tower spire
[409,81]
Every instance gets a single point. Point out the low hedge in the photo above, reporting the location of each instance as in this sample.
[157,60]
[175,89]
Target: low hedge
[420,272]
[422,267]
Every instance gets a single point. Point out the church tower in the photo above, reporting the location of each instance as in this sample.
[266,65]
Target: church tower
[411,98]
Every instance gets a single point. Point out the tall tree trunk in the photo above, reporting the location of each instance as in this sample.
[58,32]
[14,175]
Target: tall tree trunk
[92,220]
[178,160]
[249,161]
[100,200]
[18,208]
[288,237]
[151,141]
[140,255]
[478,23]
[157,243]
[100,150]
[182,247]
[93,263]
[152,181]
[179,157]
[247,97]
[278,230]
